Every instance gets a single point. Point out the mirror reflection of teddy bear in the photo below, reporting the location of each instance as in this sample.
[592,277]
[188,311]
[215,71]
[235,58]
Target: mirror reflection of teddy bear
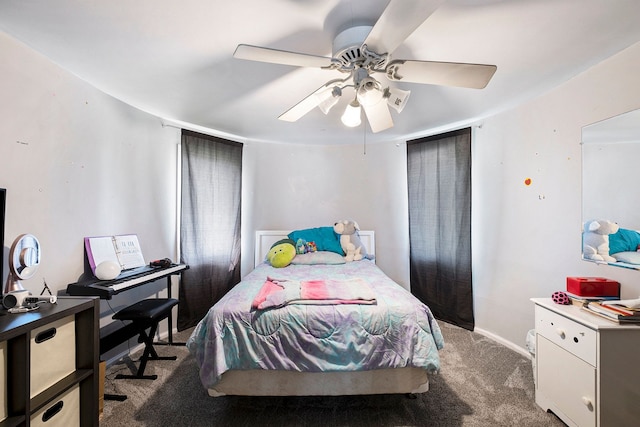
[595,240]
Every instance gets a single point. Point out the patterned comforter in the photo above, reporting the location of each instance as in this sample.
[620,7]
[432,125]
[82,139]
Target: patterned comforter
[397,331]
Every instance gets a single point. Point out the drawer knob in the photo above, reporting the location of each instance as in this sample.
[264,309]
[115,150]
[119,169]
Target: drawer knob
[587,402]
[561,333]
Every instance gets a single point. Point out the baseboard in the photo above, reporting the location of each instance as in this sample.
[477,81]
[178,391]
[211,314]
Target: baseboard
[521,350]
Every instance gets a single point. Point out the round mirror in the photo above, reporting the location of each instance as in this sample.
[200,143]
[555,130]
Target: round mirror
[24,258]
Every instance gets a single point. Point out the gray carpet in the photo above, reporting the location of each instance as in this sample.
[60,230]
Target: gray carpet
[481,383]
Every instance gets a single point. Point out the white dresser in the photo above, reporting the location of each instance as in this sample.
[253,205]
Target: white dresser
[588,368]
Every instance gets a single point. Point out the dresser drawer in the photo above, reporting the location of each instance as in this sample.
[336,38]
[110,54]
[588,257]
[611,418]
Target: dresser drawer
[566,384]
[572,336]
[53,353]
[63,411]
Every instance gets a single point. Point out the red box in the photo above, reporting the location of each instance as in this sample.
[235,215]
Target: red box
[593,287]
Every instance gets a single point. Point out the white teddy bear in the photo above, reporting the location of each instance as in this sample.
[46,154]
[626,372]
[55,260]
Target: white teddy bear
[595,240]
[349,240]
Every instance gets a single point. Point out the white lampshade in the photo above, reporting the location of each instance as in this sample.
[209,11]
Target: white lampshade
[351,116]
[397,98]
[327,104]
[369,92]
[329,99]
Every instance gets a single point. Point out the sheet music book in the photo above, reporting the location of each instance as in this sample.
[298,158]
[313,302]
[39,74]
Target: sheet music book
[123,249]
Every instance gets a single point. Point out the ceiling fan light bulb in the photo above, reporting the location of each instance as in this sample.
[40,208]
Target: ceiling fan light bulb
[370,97]
[369,92]
[397,98]
[351,116]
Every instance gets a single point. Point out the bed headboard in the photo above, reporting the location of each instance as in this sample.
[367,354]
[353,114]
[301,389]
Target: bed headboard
[266,238]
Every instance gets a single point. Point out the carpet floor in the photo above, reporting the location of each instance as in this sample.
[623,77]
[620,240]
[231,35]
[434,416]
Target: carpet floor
[481,383]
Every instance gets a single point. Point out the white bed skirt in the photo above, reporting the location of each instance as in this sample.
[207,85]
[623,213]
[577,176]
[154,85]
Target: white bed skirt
[292,383]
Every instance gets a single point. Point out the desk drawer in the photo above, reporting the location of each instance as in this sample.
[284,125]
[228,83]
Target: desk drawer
[3,380]
[53,353]
[572,336]
[63,411]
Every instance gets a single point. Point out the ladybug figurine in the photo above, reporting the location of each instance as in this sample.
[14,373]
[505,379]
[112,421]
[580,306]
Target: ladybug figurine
[560,297]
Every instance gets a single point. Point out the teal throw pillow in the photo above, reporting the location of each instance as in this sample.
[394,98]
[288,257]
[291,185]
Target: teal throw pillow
[324,237]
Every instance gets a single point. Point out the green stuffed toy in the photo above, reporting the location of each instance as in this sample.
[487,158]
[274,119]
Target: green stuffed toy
[282,253]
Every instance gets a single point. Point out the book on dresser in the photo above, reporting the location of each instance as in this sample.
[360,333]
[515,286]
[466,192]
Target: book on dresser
[579,299]
[627,304]
[612,312]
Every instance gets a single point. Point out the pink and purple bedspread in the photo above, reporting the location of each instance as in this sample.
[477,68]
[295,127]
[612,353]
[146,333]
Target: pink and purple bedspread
[397,331]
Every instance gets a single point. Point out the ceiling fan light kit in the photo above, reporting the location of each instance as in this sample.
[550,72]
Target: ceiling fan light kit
[369,92]
[363,51]
[330,98]
[351,115]
[396,98]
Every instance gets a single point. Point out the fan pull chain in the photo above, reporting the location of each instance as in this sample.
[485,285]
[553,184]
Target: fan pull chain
[364,138]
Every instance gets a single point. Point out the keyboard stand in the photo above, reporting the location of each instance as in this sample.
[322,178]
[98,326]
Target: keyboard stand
[105,289]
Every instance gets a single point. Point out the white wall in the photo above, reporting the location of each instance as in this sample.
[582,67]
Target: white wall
[75,163]
[526,239]
[289,186]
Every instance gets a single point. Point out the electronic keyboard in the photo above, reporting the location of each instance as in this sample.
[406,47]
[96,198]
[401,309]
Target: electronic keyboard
[128,279]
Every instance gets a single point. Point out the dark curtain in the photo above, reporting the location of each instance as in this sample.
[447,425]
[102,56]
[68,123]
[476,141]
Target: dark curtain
[439,185]
[210,223]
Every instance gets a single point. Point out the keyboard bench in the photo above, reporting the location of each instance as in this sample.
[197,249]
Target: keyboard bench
[142,316]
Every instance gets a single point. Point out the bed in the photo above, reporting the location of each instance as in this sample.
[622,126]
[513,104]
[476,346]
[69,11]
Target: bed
[389,345]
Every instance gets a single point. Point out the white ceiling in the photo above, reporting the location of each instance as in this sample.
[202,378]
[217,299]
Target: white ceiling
[175,59]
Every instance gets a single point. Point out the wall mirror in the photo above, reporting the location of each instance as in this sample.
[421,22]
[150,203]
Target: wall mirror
[610,172]
[24,259]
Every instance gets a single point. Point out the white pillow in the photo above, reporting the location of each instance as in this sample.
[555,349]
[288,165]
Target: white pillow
[320,257]
[630,257]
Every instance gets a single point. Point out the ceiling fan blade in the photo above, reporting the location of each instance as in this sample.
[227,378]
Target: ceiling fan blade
[307,104]
[475,76]
[397,22]
[275,56]
[378,115]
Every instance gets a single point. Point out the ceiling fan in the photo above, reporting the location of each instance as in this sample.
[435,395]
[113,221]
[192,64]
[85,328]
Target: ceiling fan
[362,52]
